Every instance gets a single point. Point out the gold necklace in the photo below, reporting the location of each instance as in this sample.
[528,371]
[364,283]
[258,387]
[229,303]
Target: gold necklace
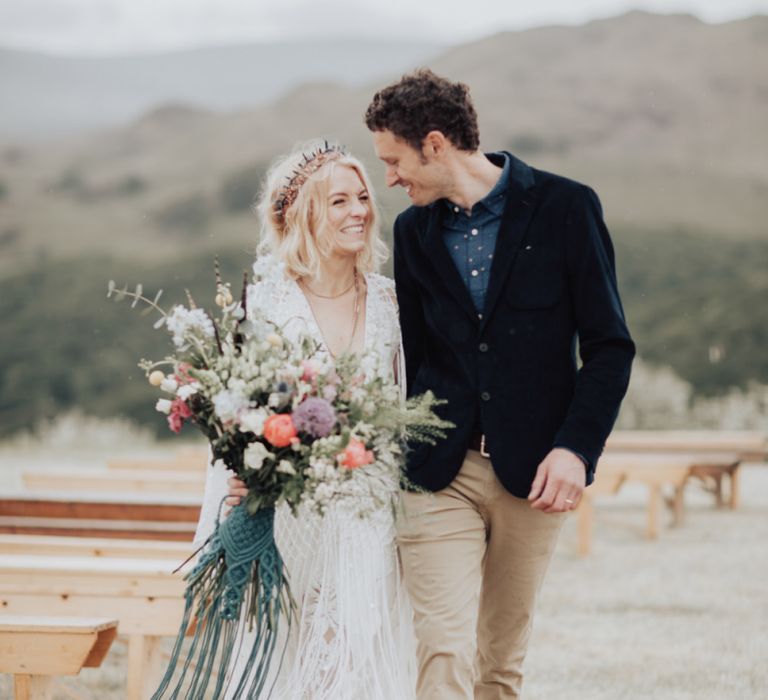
[355,315]
[331,296]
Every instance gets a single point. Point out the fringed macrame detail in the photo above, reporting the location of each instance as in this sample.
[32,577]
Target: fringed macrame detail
[238,584]
[352,637]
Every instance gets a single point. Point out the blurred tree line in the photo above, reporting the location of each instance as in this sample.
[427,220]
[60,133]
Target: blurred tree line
[694,304]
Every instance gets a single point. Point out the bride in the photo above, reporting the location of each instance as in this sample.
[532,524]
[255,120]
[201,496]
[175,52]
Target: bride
[352,636]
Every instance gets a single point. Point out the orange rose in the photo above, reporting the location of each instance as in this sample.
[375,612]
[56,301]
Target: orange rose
[355,455]
[279,430]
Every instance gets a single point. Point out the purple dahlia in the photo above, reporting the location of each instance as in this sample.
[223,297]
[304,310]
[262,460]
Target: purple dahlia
[314,416]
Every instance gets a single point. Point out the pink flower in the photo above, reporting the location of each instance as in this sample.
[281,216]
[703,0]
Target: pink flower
[182,373]
[355,455]
[175,421]
[309,371]
[178,413]
[178,406]
[279,430]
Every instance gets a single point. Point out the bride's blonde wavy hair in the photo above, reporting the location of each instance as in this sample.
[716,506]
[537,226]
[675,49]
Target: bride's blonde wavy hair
[296,235]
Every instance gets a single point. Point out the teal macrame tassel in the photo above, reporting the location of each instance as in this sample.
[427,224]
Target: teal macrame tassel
[239,569]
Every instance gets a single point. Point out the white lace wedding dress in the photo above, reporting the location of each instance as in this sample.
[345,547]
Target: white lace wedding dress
[353,638]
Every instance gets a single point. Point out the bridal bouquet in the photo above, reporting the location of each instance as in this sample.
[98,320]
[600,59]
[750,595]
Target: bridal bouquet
[297,429]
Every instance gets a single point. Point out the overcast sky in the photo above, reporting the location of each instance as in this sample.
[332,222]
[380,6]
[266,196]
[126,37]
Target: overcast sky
[128,26]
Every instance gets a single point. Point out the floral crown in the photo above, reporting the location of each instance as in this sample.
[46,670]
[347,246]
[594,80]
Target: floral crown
[310,164]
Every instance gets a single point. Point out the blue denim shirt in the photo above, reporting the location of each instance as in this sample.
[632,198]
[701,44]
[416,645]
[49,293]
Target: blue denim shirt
[471,239]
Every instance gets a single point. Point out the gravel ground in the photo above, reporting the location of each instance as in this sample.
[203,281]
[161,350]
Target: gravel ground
[680,618]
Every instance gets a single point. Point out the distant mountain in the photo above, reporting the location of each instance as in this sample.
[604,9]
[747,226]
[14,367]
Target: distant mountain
[663,115]
[45,95]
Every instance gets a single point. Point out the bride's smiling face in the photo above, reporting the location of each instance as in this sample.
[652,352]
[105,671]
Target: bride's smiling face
[348,208]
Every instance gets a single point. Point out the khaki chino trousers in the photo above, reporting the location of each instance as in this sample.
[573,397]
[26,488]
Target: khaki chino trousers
[474,557]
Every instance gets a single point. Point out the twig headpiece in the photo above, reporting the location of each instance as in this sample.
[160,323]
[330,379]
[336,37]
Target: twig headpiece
[310,164]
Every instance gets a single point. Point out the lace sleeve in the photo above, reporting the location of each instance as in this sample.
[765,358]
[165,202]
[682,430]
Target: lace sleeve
[215,491]
[386,287]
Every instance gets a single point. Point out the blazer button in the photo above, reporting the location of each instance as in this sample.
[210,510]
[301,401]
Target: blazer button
[483,347]
[485,396]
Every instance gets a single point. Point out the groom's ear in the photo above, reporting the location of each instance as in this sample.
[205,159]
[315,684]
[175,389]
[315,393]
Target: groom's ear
[434,145]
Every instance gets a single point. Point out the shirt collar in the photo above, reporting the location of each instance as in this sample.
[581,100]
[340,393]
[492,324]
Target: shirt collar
[495,199]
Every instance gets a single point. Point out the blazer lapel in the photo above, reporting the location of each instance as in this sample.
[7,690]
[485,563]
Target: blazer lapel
[514,222]
[440,258]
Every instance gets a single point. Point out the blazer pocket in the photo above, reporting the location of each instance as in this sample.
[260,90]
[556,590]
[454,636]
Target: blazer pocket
[536,280]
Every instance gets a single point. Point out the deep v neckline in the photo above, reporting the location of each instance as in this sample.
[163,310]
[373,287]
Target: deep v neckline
[319,331]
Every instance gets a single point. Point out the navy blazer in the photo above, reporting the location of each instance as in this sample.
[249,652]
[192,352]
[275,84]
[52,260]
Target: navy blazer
[514,372]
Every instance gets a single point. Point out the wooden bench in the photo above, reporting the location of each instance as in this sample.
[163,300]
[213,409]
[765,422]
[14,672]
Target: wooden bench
[123,481]
[656,471]
[35,649]
[43,545]
[144,595]
[721,451]
[604,484]
[750,446]
[185,459]
[133,516]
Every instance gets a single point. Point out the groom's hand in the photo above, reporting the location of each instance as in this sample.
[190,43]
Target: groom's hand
[559,483]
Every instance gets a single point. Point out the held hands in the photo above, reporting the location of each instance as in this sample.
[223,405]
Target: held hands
[559,483]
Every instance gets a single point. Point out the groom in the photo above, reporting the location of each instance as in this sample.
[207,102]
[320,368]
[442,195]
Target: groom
[500,270]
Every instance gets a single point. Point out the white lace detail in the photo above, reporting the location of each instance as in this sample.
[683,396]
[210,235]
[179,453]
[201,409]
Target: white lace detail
[353,638]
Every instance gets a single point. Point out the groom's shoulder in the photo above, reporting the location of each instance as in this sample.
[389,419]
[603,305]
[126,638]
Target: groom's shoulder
[413,220]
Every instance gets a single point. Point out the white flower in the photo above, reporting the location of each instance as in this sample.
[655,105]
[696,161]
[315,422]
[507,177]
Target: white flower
[255,454]
[369,364]
[227,405]
[163,405]
[323,470]
[169,385]
[182,321]
[253,421]
[323,493]
[285,467]
[188,390]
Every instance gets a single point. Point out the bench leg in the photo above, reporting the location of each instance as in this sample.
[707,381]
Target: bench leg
[28,687]
[654,496]
[733,500]
[718,490]
[678,505]
[143,666]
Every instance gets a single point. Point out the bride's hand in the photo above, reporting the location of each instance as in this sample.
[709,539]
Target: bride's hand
[237,490]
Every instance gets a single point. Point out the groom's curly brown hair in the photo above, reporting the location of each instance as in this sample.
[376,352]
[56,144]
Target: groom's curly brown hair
[421,102]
